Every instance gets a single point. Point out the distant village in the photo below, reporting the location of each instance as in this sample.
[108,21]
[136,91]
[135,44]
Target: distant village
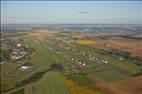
[19,51]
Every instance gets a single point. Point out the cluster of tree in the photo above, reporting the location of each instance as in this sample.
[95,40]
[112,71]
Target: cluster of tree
[56,66]
[120,53]
[32,78]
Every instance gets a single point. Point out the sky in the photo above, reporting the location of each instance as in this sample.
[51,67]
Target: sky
[71,12]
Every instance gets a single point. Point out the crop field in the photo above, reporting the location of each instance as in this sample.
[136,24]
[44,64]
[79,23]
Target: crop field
[126,86]
[131,87]
[110,75]
[86,42]
[50,83]
[83,64]
[133,47]
[76,88]
[51,47]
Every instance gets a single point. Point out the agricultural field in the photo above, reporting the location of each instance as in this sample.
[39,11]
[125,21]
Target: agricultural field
[62,63]
[50,83]
[75,47]
[133,47]
[77,88]
[86,42]
[129,86]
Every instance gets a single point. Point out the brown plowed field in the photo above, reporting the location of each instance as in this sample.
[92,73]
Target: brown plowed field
[130,86]
[43,32]
[135,48]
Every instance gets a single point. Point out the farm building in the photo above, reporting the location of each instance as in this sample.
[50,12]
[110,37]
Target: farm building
[19,45]
[24,66]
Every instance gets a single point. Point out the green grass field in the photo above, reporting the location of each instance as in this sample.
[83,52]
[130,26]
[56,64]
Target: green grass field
[50,83]
[110,75]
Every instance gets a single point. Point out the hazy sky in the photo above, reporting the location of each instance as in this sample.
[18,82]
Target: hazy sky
[55,12]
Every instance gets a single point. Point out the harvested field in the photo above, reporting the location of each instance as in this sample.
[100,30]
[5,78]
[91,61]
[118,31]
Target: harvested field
[76,88]
[130,86]
[86,42]
[135,48]
[44,32]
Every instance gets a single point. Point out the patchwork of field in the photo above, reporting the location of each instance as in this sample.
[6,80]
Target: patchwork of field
[50,83]
[41,33]
[133,47]
[129,86]
[109,76]
[81,62]
[76,88]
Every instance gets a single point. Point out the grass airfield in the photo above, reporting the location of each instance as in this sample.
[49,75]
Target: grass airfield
[49,48]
